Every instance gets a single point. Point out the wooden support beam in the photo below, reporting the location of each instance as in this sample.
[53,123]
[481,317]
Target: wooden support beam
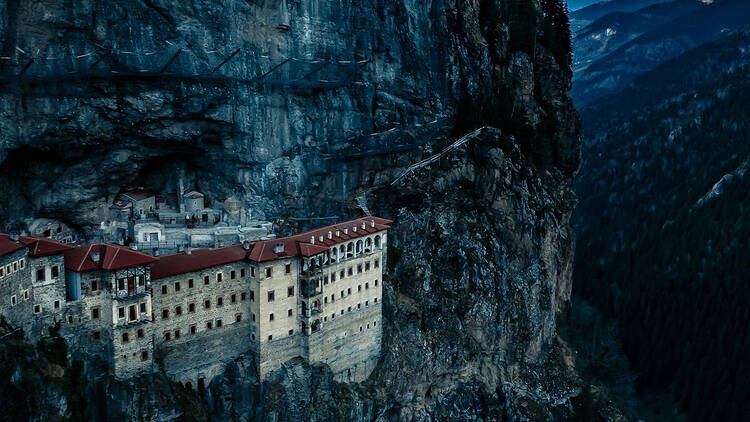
[99,60]
[170,61]
[274,68]
[226,60]
[25,68]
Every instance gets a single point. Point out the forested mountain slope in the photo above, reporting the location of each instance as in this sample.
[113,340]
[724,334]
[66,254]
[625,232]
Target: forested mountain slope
[664,223]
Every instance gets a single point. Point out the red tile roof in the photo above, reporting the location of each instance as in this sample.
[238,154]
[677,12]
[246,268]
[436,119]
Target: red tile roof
[41,246]
[263,251]
[301,244]
[8,246]
[111,257]
[197,260]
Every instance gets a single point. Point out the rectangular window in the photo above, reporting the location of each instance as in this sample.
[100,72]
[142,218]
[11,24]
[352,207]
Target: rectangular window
[219,277]
[349,309]
[13,300]
[359,268]
[270,317]
[193,329]
[238,318]
[55,271]
[206,280]
[23,263]
[350,271]
[176,334]
[325,299]
[367,286]
[270,337]
[233,274]
[252,271]
[97,335]
[141,280]
[233,298]
[242,272]
[164,289]
[40,274]
[191,283]
[177,287]
[26,294]
[178,310]
[376,300]
[209,325]
[131,311]
[125,337]
[207,304]
[270,296]
[252,295]
[290,291]
[121,284]
[167,336]
[367,303]
[253,317]
[376,282]
[288,268]
[139,333]
[333,277]
[121,312]
[359,288]
[95,313]
[268,272]
[342,293]
[144,355]
[219,323]
[367,266]
[94,285]
[219,301]
[165,314]
[341,275]
[191,308]
[377,263]
[342,312]
[291,332]
[143,308]
[243,296]
[289,312]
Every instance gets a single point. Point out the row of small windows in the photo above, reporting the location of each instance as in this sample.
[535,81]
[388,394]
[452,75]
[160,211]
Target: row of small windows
[12,267]
[193,329]
[206,304]
[349,309]
[348,292]
[220,277]
[272,293]
[270,336]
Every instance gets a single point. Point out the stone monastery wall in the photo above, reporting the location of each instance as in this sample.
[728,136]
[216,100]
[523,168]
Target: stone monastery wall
[317,296]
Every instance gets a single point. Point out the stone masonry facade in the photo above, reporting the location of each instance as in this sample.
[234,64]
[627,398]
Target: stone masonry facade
[316,295]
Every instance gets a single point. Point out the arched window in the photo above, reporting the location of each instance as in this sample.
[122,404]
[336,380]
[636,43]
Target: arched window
[359,246]
[377,241]
[368,244]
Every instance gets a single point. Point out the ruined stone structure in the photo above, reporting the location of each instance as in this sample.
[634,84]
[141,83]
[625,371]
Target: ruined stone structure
[315,295]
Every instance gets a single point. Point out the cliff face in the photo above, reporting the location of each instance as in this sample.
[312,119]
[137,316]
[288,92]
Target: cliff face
[126,93]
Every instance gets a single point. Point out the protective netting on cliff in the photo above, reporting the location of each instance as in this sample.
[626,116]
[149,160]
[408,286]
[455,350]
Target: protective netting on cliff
[178,62]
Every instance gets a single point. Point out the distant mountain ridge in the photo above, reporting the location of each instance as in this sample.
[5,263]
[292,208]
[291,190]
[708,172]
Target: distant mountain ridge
[645,52]
[611,31]
[584,16]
